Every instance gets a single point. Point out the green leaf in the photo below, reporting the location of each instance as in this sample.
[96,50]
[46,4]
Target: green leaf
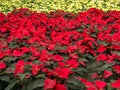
[6,58]
[109,87]
[79,69]
[60,47]
[73,87]
[106,66]
[89,56]
[12,84]
[30,86]
[10,69]
[116,52]
[73,80]
[74,83]
[94,35]
[22,76]
[82,59]
[5,78]
[80,30]
[40,76]
[38,83]
[13,45]
[102,42]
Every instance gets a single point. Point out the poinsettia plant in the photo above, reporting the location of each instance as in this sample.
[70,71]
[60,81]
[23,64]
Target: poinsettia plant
[60,50]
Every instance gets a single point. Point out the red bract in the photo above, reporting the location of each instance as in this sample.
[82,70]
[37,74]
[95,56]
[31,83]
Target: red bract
[60,87]
[72,63]
[20,67]
[74,55]
[3,30]
[1,54]
[102,48]
[63,73]
[91,88]
[2,65]
[100,84]
[101,57]
[24,49]
[95,13]
[82,63]
[49,84]
[60,72]
[35,69]
[58,58]
[17,53]
[117,47]
[107,74]
[2,16]
[94,75]
[51,47]
[117,68]
[116,84]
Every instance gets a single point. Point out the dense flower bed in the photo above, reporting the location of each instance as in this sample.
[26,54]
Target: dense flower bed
[60,50]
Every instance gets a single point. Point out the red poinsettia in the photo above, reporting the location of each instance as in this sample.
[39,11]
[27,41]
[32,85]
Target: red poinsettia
[100,84]
[102,48]
[49,84]
[2,17]
[60,72]
[92,88]
[95,75]
[2,54]
[107,74]
[58,57]
[72,63]
[63,73]
[17,53]
[116,84]
[2,65]
[20,67]
[117,68]
[24,49]
[35,69]
[60,87]
[101,57]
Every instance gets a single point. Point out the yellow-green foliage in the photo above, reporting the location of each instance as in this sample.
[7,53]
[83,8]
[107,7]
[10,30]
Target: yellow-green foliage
[67,5]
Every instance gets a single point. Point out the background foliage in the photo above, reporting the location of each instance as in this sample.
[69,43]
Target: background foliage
[67,5]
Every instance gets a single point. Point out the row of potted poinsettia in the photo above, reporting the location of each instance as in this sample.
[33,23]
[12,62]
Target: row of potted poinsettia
[60,50]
